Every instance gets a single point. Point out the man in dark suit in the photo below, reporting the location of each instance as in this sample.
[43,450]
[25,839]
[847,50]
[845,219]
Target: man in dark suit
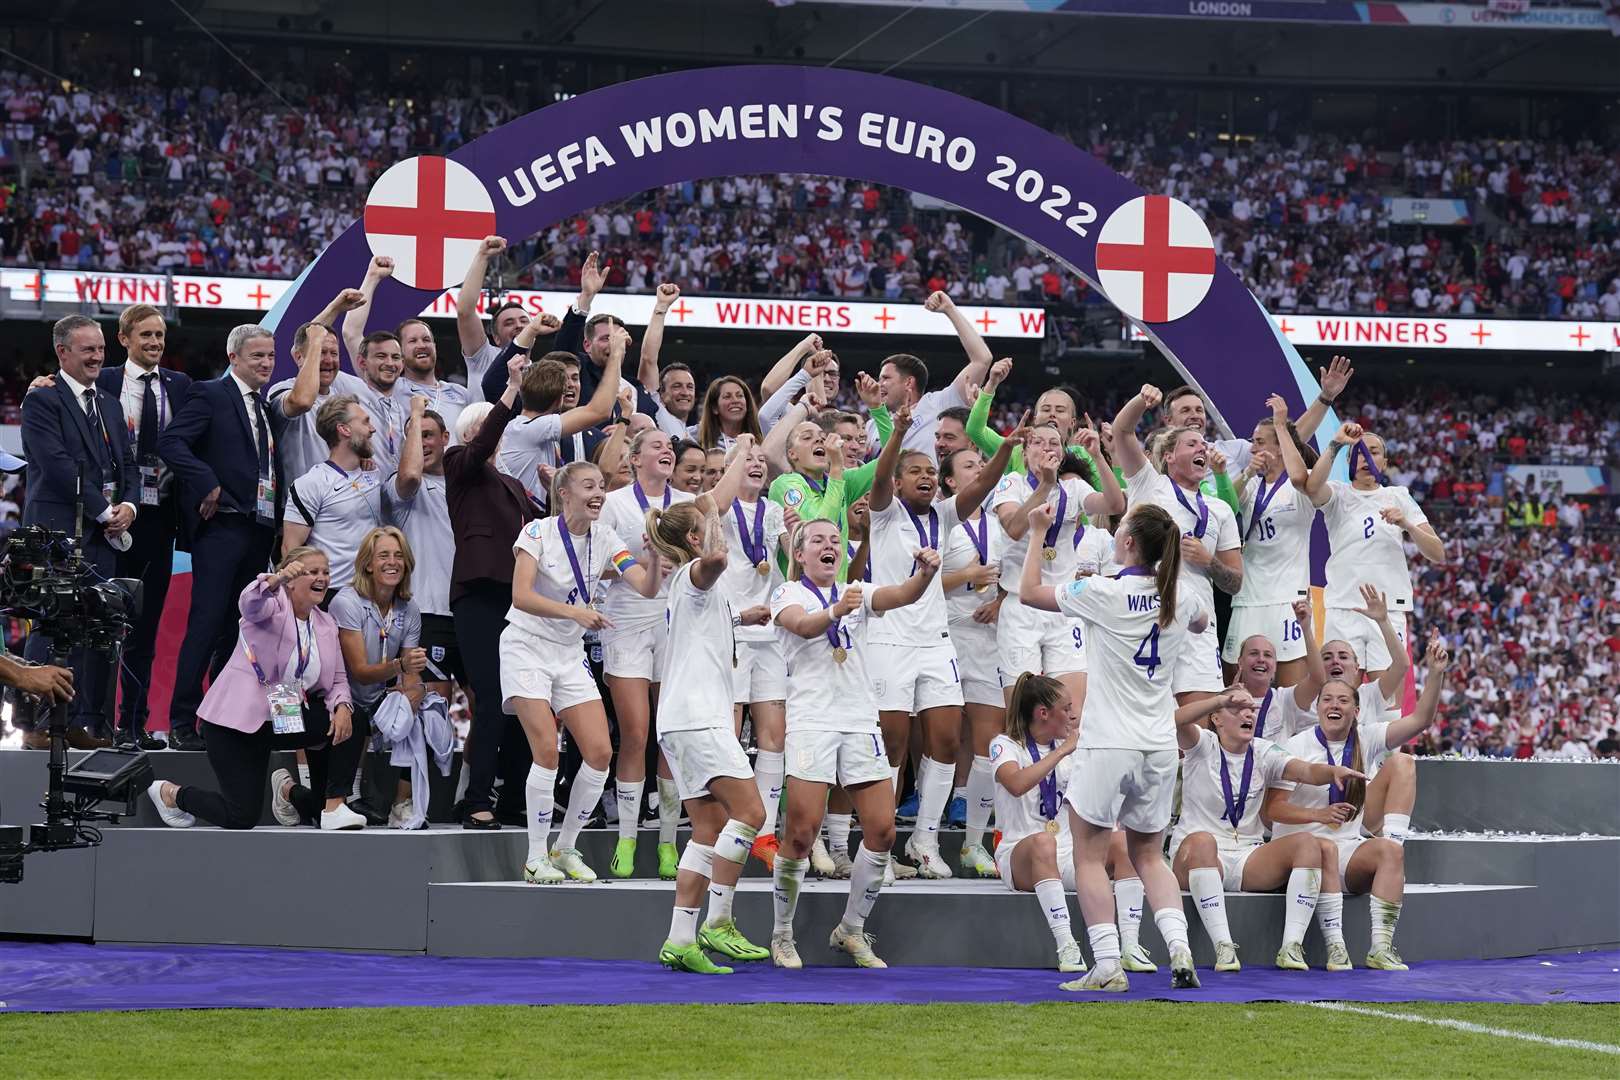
[221,447]
[150,396]
[80,478]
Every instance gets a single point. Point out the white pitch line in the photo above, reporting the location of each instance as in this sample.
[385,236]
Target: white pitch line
[1464,1025]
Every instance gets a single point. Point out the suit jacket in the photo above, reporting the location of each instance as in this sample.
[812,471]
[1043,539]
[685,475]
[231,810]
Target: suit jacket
[571,338]
[487,508]
[235,699]
[210,444]
[58,441]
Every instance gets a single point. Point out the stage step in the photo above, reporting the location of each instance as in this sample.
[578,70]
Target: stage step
[940,923]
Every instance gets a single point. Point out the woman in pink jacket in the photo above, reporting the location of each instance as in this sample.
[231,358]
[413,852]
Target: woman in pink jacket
[284,688]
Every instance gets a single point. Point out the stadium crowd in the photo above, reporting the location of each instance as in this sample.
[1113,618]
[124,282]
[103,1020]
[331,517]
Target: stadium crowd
[143,175]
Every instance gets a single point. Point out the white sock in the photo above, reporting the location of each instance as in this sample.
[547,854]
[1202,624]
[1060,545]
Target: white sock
[865,882]
[1397,827]
[959,792]
[587,788]
[1210,895]
[1384,917]
[683,926]
[1128,899]
[789,877]
[720,902]
[354,791]
[1301,896]
[669,810]
[768,773]
[934,780]
[540,799]
[894,780]
[1172,926]
[838,826]
[1055,906]
[1330,917]
[629,799]
[980,796]
[303,776]
[1104,944]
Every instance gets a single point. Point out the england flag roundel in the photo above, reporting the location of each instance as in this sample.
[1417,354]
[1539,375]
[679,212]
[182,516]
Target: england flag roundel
[428,214]
[1155,259]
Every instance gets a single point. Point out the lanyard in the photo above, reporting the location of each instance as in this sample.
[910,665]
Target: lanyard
[1235,807]
[831,599]
[1056,527]
[819,490]
[1262,499]
[641,496]
[928,538]
[305,646]
[753,540]
[1049,796]
[1202,511]
[1335,792]
[850,549]
[580,577]
[1079,530]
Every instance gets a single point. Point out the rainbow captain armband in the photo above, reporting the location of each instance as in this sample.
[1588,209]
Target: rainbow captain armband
[622,561]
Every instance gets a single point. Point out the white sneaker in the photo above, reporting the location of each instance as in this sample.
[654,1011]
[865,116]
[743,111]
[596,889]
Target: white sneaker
[572,863]
[901,870]
[173,816]
[341,819]
[281,808]
[820,861]
[1107,978]
[1070,958]
[930,863]
[1183,976]
[1137,961]
[858,944]
[843,866]
[1226,958]
[976,862]
[540,871]
[401,812]
[784,953]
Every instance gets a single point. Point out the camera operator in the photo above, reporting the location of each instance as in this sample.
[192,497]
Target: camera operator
[77,446]
[48,683]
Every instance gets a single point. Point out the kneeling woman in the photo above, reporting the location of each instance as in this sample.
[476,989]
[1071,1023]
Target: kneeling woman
[284,688]
[1334,813]
[1218,843]
[1031,763]
[695,734]
[833,735]
[560,564]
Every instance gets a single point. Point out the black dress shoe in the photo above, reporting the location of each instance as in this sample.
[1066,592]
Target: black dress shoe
[186,741]
[470,822]
[373,817]
[147,741]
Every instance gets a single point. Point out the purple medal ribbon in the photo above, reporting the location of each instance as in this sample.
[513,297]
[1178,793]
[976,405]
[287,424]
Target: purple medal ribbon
[981,539]
[753,540]
[832,598]
[1360,450]
[1235,807]
[1335,792]
[641,496]
[821,490]
[1057,520]
[1049,795]
[1202,511]
[849,553]
[1079,530]
[580,577]
[928,539]
[1262,500]
[1260,719]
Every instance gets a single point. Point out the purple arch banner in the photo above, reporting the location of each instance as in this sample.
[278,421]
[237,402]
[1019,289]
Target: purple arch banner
[611,143]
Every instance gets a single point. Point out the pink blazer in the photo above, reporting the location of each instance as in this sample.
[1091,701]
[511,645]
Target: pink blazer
[235,699]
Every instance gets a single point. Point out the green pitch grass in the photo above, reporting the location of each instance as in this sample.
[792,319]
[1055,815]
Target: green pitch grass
[1101,1039]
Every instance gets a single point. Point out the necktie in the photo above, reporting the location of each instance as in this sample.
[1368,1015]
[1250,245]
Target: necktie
[263,424]
[146,438]
[95,424]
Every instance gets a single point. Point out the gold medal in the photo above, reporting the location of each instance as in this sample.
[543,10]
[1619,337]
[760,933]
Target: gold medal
[762,569]
[1052,826]
[840,654]
[1049,554]
[985,587]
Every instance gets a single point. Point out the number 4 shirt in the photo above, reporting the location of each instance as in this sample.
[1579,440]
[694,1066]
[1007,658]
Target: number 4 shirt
[1131,660]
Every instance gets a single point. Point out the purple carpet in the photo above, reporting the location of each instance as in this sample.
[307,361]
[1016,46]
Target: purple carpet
[51,977]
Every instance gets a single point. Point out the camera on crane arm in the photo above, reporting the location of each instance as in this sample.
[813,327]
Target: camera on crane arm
[45,578]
